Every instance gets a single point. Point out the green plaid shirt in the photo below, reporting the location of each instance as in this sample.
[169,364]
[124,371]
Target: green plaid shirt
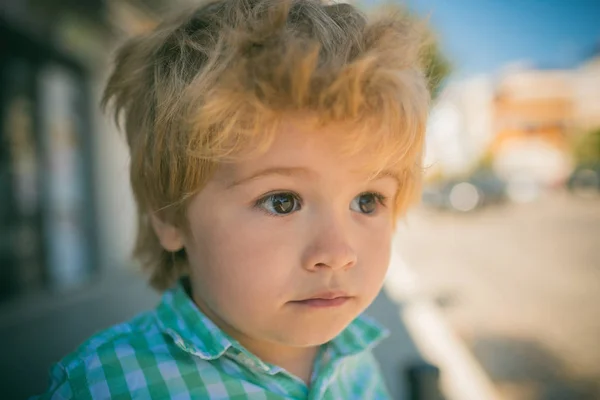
[175,352]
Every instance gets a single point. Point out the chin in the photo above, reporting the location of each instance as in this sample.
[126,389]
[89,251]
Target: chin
[305,336]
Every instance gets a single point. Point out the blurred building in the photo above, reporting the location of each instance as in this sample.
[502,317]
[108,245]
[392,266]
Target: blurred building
[533,113]
[67,217]
[522,121]
[460,126]
[66,210]
[587,94]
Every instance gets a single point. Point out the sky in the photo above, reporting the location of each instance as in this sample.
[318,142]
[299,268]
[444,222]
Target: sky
[482,36]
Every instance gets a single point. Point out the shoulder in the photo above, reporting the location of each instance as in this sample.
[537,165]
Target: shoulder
[111,362]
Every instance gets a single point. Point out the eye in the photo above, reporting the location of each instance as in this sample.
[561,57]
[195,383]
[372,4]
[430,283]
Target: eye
[279,203]
[367,203]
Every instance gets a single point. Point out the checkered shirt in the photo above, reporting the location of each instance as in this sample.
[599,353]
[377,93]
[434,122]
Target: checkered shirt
[176,352]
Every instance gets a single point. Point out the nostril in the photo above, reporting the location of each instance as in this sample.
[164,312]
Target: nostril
[334,266]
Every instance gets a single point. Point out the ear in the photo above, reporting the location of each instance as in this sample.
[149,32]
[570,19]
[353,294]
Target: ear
[170,237]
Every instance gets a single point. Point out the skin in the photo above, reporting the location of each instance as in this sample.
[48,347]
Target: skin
[250,265]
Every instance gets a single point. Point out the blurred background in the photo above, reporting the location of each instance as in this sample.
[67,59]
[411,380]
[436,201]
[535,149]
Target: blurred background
[504,250]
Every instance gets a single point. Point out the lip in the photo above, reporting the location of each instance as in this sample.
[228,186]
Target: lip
[323,303]
[325,299]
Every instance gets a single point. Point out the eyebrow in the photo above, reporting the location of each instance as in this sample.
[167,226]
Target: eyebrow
[282,171]
[290,171]
[387,174]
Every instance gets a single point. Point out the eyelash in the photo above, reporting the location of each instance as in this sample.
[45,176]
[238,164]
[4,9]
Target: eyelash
[259,204]
[381,199]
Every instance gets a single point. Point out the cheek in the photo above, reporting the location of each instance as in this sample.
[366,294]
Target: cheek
[241,257]
[374,252]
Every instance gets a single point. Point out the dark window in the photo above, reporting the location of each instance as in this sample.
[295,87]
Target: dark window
[46,236]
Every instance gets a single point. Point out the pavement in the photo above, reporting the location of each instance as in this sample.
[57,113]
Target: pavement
[518,284]
[461,377]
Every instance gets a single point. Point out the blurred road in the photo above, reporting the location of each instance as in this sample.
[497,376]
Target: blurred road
[520,284]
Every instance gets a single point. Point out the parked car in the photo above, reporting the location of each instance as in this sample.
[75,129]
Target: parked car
[584,181]
[480,189]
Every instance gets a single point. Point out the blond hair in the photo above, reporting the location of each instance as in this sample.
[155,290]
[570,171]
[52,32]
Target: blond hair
[213,83]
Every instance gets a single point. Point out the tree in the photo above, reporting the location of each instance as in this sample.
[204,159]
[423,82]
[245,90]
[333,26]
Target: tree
[587,148]
[437,66]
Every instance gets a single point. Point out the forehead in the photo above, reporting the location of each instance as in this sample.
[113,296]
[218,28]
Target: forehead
[301,142]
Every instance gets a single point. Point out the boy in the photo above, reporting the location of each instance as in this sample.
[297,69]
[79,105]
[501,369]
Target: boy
[273,146]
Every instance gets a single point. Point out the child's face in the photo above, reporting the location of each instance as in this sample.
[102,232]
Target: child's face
[295,223]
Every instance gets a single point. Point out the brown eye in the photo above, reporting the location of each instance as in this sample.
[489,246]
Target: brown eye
[366,203]
[280,203]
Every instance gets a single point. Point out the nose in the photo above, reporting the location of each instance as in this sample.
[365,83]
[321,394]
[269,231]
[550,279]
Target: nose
[330,247]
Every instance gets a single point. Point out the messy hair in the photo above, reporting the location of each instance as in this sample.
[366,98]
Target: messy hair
[213,85]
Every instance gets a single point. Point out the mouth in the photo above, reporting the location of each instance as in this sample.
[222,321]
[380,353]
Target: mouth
[324,300]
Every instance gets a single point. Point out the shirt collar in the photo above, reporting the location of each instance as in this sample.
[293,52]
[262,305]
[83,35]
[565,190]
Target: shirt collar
[362,334]
[192,331]
[179,317]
